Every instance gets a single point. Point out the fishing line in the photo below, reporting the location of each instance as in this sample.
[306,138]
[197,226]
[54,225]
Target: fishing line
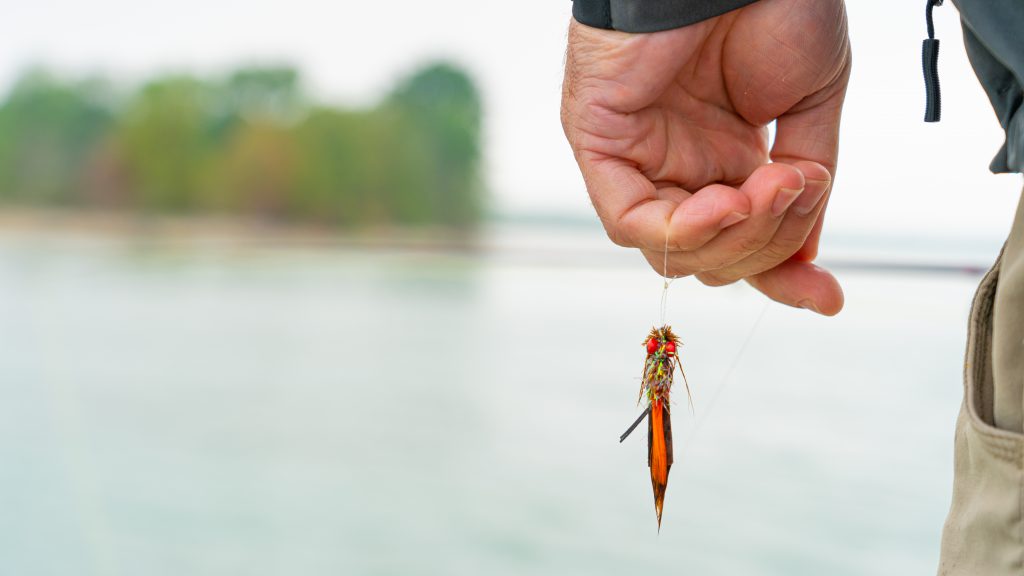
[726,378]
[662,359]
[728,375]
[667,281]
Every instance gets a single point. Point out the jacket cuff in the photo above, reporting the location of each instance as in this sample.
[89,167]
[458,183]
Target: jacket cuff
[649,15]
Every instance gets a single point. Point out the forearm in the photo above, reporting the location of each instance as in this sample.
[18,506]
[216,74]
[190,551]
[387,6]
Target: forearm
[649,15]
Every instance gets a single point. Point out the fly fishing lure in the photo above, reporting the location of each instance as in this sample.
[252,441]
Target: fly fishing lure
[656,384]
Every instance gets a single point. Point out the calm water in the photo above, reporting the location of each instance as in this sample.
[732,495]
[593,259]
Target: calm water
[244,410]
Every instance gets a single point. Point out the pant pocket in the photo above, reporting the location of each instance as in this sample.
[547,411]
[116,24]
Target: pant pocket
[983,532]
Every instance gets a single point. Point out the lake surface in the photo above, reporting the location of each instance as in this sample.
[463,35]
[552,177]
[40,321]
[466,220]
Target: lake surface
[244,409]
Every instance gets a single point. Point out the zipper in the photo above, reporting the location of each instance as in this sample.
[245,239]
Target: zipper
[930,63]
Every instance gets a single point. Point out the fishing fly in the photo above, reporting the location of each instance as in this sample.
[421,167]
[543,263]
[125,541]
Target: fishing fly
[662,347]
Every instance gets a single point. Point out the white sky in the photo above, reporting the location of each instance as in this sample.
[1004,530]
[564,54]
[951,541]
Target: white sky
[897,174]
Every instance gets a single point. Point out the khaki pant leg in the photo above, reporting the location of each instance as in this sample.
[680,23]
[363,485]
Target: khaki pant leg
[1008,334]
[984,532]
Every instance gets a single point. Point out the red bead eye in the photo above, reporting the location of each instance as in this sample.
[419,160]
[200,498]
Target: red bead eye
[670,348]
[652,346]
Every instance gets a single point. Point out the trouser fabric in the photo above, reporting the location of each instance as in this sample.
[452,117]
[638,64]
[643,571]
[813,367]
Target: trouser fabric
[984,532]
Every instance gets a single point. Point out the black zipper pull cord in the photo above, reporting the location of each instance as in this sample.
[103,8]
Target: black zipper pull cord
[930,62]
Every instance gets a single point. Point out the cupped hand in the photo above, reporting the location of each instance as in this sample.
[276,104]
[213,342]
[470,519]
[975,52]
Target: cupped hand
[670,132]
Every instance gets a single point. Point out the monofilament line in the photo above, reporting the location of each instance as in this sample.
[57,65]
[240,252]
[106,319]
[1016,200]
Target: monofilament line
[728,375]
[667,281]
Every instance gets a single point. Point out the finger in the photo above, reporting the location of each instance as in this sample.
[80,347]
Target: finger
[791,234]
[703,215]
[810,132]
[771,189]
[696,221]
[810,129]
[802,285]
[636,213]
[809,251]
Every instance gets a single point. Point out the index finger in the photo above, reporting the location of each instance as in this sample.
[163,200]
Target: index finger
[637,213]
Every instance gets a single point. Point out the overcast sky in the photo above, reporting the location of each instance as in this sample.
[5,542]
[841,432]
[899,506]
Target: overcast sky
[897,174]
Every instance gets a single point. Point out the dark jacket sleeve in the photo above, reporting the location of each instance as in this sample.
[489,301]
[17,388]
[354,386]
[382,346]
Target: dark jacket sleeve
[649,15]
[992,35]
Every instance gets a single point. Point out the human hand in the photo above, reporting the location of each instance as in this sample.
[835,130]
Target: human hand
[670,132]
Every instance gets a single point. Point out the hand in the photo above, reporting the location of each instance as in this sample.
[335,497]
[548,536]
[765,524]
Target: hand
[670,131]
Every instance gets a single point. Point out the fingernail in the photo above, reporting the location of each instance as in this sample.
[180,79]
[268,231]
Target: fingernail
[783,199]
[732,218]
[805,204]
[808,305]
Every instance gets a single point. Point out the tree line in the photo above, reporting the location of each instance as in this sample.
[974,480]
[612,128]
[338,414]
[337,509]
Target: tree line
[250,143]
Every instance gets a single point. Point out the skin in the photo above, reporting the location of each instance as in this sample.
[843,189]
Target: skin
[670,132]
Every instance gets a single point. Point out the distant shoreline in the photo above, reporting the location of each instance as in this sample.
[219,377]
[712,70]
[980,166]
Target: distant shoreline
[543,242]
[204,228]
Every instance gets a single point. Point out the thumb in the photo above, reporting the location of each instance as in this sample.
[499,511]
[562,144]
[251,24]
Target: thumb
[801,284]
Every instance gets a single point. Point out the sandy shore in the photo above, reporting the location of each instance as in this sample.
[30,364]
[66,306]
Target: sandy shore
[205,229]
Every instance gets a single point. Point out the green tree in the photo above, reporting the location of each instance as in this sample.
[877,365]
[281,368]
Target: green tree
[47,129]
[340,168]
[168,141]
[440,109]
[249,143]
